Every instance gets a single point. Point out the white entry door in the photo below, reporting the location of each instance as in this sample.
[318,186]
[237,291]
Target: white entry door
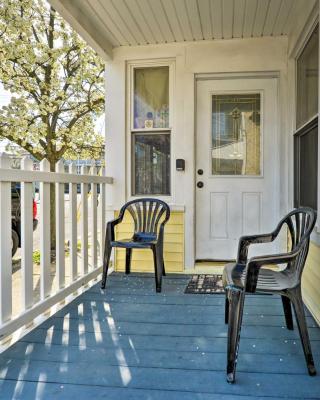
[237,163]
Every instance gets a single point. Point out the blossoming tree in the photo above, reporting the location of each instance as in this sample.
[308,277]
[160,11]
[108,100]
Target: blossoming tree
[56,82]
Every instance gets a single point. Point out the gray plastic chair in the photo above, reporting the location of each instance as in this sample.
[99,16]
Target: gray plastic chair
[150,216]
[249,276]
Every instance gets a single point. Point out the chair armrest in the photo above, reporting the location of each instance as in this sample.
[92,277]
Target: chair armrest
[246,241]
[110,227]
[161,231]
[160,236]
[255,263]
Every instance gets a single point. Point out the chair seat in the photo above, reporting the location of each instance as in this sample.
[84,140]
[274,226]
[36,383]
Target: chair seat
[268,280]
[133,243]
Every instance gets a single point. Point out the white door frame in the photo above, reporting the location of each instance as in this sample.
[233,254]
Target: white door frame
[229,76]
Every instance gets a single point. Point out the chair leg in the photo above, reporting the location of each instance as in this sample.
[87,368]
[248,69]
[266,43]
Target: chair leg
[297,302]
[128,260]
[106,261]
[236,301]
[287,312]
[163,269]
[158,266]
[226,310]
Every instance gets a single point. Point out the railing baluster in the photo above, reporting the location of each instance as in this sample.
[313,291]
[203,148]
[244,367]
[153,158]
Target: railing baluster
[27,237]
[102,217]
[84,223]
[94,200]
[74,230]
[29,310]
[60,229]
[45,246]
[5,245]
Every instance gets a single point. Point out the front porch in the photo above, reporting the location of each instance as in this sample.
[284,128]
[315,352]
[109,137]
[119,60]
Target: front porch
[129,342]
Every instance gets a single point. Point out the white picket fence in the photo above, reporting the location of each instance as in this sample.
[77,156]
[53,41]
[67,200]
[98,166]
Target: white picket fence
[80,274]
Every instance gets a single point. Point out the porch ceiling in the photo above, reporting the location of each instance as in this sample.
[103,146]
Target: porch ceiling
[106,24]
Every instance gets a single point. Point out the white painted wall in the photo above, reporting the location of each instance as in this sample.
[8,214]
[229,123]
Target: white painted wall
[219,56]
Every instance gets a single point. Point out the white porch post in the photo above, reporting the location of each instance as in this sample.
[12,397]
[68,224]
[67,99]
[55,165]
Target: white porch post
[5,245]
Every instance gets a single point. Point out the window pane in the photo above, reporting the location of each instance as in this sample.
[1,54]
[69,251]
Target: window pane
[306,166]
[151,97]
[307,80]
[236,134]
[151,164]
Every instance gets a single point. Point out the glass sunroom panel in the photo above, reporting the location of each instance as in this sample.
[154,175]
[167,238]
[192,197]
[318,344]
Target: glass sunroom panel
[236,136]
[151,172]
[151,97]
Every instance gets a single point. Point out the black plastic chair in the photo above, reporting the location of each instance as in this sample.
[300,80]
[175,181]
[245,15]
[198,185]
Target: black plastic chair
[149,216]
[249,276]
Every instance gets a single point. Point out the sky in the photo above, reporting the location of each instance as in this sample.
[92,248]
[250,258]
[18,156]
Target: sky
[4,96]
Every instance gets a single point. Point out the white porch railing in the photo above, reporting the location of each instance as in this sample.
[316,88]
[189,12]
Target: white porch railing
[81,271]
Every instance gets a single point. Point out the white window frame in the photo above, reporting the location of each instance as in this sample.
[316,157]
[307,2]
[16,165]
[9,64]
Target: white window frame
[298,53]
[298,48]
[131,66]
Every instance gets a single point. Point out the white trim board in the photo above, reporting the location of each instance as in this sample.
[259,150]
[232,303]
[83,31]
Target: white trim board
[237,75]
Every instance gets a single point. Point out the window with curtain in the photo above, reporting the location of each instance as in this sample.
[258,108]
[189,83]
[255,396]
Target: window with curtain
[151,97]
[306,136]
[151,162]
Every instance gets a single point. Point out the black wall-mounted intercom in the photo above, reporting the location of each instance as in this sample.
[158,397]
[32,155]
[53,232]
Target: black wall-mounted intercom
[180,164]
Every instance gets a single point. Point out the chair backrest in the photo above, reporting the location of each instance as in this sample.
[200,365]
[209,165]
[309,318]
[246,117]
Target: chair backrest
[147,213]
[300,223]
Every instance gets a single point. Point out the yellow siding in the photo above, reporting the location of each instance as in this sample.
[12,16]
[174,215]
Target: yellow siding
[311,281]
[142,260]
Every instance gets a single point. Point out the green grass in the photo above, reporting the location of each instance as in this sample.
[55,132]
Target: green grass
[36,253]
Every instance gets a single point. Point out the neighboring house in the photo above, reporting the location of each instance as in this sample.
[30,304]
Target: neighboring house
[230,88]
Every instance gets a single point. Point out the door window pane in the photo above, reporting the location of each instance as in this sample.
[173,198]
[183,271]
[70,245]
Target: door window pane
[307,80]
[151,98]
[236,134]
[151,154]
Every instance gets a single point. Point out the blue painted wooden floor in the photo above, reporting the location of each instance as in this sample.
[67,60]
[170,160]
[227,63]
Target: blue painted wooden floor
[130,343]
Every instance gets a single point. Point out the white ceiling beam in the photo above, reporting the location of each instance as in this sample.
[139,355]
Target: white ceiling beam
[100,44]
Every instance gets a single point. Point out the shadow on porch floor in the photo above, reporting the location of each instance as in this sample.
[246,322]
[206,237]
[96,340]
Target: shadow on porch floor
[131,343]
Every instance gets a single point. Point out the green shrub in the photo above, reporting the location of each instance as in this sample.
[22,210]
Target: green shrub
[36,257]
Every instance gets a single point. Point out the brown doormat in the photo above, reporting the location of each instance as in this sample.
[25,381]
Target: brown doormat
[205,284]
